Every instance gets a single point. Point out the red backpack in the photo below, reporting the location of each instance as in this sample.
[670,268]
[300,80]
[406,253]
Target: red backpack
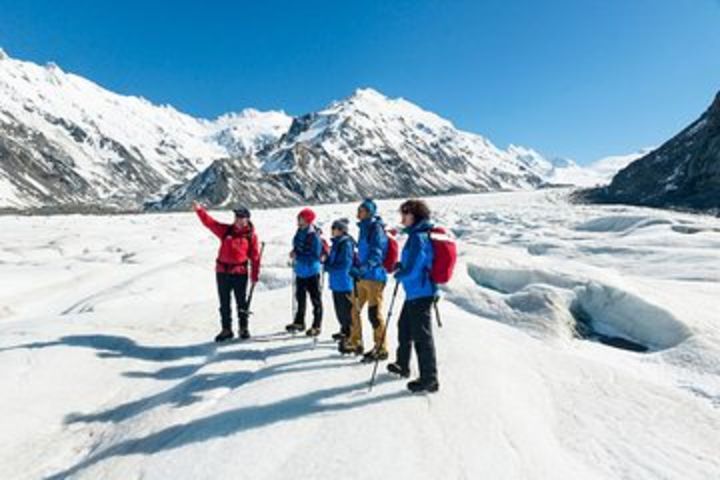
[444,255]
[393,251]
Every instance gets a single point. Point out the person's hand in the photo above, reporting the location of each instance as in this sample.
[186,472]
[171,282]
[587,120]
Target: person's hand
[292,254]
[196,206]
[323,258]
[254,280]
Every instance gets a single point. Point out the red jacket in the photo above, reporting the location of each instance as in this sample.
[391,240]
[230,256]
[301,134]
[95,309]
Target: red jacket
[238,247]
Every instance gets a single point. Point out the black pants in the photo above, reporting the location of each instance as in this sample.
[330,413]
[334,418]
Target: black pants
[228,284]
[415,327]
[308,286]
[343,311]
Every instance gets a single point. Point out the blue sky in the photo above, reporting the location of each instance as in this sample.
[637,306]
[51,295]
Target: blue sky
[575,78]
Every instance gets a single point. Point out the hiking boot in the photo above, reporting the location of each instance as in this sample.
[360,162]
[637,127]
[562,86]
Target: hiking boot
[224,336]
[338,337]
[398,370]
[313,332]
[346,349]
[420,386]
[244,334]
[375,355]
[295,327]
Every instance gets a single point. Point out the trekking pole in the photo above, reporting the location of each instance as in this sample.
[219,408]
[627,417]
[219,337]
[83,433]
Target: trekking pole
[252,287]
[437,311]
[294,291]
[356,307]
[384,335]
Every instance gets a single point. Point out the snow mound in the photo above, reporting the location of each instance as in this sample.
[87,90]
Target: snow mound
[615,312]
[621,223]
[553,303]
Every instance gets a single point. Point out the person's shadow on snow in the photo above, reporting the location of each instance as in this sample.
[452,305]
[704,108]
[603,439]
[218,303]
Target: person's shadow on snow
[189,390]
[192,385]
[114,346]
[236,421]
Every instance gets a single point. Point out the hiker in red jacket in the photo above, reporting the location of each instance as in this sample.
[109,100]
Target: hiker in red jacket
[238,258]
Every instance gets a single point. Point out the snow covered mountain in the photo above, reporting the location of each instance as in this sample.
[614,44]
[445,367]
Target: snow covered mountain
[65,141]
[68,144]
[566,172]
[364,145]
[682,173]
[599,172]
[606,168]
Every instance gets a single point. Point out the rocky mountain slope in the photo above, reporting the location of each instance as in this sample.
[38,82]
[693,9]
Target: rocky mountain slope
[67,142]
[365,145]
[682,173]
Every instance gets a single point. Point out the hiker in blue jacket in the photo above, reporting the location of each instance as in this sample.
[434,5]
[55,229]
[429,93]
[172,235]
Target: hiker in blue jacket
[415,325]
[307,255]
[370,278]
[338,265]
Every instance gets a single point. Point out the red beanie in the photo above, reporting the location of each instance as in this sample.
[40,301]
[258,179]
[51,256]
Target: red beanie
[307,214]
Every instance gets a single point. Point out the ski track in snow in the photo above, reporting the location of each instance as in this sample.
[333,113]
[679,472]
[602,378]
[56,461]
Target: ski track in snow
[108,371]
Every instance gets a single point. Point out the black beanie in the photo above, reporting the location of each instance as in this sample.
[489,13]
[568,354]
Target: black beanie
[242,212]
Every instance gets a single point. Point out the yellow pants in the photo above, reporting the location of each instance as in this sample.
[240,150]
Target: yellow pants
[368,292]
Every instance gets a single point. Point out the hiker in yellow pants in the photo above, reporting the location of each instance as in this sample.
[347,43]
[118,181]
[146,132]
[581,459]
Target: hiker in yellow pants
[368,292]
[370,278]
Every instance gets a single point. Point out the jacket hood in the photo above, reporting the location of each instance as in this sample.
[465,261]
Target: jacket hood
[421,226]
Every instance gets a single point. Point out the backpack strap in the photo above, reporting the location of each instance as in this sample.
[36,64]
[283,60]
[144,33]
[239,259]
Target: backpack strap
[230,232]
[312,231]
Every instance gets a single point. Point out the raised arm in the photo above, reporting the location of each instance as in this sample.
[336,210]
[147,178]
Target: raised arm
[219,229]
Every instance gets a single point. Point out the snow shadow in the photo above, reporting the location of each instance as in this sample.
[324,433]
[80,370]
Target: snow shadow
[114,346]
[621,224]
[190,390]
[236,421]
[585,330]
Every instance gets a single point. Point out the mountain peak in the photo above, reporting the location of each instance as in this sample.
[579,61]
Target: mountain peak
[3,54]
[365,99]
[251,114]
[368,93]
[715,107]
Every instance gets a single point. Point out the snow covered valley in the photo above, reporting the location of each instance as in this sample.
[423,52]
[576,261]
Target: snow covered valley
[578,342]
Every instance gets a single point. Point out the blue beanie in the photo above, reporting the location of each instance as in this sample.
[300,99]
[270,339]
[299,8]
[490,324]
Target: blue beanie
[369,205]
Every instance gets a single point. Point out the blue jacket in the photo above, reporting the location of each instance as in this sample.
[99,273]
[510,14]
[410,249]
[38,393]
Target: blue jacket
[416,262]
[339,263]
[308,249]
[372,248]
